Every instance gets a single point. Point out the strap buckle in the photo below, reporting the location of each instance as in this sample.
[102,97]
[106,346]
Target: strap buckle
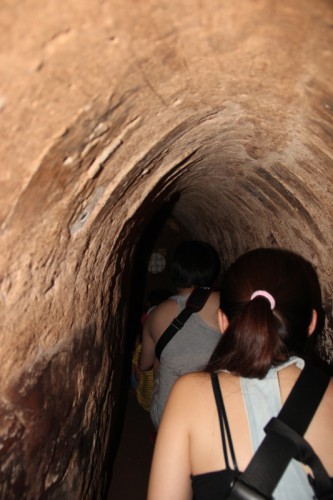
[241,491]
[177,324]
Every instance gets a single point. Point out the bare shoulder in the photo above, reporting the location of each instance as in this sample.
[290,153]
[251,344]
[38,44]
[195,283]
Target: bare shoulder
[329,395]
[160,317]
[215,297]
[201,380]
[167,307]
[192,385]
[190,391]
[325,409]
[193,379]
[320,431]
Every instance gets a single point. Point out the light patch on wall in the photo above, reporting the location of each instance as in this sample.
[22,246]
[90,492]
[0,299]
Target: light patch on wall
[86,212]
[157,261]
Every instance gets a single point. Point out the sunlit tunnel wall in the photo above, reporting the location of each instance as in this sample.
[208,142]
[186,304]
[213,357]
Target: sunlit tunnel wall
[219,114]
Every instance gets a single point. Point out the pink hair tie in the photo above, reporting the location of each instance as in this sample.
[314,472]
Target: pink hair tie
[263,293]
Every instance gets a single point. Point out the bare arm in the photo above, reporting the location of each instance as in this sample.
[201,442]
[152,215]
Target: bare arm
[147,356]
[157,322]
[320,432]
[171,468]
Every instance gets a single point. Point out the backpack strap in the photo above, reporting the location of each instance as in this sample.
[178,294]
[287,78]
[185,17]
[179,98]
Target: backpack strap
[194,303]
[284,441]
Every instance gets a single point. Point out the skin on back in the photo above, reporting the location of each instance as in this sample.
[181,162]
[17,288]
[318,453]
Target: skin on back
[189,438]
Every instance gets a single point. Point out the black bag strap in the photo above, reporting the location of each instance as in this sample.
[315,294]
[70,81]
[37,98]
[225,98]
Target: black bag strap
[194,303]
[283,441]
[224,424]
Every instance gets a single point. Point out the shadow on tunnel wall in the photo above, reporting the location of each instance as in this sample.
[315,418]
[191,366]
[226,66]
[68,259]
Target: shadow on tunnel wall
[47,406]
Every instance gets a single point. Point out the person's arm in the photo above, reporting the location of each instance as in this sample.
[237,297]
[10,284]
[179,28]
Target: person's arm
[156,323]
[147,356]
[171,468]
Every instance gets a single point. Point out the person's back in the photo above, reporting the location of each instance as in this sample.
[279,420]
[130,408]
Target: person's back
[188,351]
[193,264]
[189,457]
[195,420]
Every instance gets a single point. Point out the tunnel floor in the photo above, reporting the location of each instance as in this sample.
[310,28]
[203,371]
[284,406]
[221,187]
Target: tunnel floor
[132,463]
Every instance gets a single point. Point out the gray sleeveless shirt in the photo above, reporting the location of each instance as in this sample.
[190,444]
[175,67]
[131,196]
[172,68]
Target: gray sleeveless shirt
[262,401]
[188,351]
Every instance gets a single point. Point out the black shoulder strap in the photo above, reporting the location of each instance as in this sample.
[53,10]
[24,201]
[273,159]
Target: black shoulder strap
[284,441]
[224,424]
[194,303]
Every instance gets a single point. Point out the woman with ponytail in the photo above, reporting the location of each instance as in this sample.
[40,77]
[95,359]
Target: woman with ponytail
[269,305]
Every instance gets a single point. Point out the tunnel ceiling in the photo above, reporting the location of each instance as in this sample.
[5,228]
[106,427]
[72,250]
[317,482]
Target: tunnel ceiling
[111,110]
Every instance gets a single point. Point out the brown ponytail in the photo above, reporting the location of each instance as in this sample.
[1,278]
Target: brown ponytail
[258,336]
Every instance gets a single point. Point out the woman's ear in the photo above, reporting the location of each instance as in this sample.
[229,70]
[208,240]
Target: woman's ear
[222,320]
[313,323]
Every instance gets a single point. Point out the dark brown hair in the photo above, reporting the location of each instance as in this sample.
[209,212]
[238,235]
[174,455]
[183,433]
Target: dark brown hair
[258,337]
[194,263]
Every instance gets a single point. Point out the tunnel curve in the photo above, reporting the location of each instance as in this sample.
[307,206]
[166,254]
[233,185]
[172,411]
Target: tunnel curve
[230,129]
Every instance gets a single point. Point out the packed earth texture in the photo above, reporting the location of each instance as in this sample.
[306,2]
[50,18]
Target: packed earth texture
[217,113]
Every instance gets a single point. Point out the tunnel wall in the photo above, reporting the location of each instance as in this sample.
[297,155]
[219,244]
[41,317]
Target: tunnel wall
[108,111]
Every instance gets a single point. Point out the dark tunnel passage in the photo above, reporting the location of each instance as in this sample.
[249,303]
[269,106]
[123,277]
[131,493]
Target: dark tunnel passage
[122,122]
[202,176]
[160,237]
[131,443]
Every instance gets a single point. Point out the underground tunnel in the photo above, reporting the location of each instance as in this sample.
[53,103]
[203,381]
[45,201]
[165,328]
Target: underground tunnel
[218,115]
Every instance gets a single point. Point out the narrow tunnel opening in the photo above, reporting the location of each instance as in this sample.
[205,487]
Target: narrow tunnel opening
[170,224]
[149,274]
[210,186]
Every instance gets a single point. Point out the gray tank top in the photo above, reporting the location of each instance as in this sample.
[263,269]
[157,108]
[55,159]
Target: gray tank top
[188,351]
[262,400]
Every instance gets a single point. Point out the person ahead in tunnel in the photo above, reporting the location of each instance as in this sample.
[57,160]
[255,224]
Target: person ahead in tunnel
[266,314]
[193,264]
[143,381]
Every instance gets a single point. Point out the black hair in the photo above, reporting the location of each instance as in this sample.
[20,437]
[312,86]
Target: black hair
[155,297]
[194,263]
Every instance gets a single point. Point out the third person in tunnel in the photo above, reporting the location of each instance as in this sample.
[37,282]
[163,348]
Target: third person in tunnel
[194,264]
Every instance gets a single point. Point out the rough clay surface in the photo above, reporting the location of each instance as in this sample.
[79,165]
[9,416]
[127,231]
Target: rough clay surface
[108,110]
